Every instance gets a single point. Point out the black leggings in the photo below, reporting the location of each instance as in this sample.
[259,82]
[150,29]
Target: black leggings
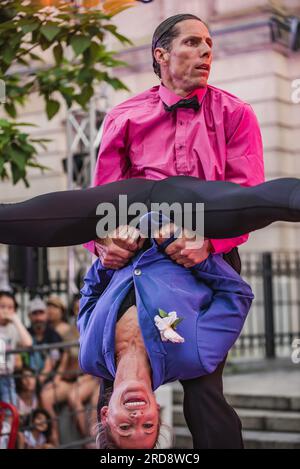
[69,217]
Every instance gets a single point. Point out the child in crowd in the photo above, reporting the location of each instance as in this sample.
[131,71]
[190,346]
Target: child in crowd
[12,334]
[26,387]
[37,434]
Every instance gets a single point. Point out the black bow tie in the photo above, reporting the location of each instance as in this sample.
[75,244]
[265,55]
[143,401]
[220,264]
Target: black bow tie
[192,103]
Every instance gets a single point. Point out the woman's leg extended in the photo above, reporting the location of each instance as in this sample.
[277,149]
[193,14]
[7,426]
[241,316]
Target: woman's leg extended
[69,217]
[230,209]
[65,218]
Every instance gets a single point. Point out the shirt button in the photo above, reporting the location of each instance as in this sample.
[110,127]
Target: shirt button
[137,272]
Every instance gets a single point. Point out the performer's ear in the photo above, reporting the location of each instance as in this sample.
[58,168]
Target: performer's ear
[104,412]
[161,55]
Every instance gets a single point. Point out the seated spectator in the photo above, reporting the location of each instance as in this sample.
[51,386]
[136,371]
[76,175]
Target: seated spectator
[37,434]
[74,309]
[68,371]
[42,362]
[12,334]
[72,335]
[56,311]
[84,391]
[26,387]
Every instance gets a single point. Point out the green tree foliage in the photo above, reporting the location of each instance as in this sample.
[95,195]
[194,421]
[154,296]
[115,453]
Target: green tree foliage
[74,37]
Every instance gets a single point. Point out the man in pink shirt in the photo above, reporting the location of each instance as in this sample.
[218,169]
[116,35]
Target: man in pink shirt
[184,127]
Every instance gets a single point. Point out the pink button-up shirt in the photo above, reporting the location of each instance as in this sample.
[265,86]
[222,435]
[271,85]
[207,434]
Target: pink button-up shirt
[221,141]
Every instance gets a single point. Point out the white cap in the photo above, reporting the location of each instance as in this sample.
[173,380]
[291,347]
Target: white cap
[36,305]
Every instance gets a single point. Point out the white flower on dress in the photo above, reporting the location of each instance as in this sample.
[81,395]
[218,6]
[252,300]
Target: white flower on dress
[166,324]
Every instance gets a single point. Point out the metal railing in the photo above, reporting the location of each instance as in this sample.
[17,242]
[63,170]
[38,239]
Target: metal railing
[274,319]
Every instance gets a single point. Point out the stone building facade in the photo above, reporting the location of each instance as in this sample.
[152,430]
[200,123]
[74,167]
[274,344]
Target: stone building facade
[246,63]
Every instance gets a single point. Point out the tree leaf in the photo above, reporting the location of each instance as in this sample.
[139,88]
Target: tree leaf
[18,157]
[8,55]
[86,94]
[10,108]
[2,161]
[36,57]
[24,124]
[38,166]
[58,53]
[49,31]
[5,124]
[52,107]
[22,61]
[113,30]
[25,28]
[29,27]
[116,83]
[28,149]
[17,173]
[80,43]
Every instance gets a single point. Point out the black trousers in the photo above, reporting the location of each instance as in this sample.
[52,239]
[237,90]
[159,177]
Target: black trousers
[213,423]
[70,217]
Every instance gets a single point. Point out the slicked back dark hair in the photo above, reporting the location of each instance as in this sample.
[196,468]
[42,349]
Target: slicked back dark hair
[166,32]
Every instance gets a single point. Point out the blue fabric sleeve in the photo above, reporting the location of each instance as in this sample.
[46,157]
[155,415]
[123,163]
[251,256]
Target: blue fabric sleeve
[220,325]
[217,274]
[95,283]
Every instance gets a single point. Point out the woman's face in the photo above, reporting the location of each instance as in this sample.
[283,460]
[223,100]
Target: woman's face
[132,416]
[28,381]
[7,309]
[54,313]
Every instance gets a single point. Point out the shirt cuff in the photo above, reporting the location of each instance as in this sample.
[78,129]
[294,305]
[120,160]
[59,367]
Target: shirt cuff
[91,246]
[226,245]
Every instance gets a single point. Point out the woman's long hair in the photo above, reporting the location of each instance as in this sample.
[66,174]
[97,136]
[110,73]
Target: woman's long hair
[104,438]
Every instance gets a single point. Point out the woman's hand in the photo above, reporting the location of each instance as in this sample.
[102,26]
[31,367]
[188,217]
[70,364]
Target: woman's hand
[7,315]
[25,339]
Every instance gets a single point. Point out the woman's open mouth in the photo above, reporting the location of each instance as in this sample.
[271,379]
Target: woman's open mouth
[134,400]
[136,404]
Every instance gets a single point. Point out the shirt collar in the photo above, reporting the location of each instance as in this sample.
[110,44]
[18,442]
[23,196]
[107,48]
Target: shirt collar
[169,97]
